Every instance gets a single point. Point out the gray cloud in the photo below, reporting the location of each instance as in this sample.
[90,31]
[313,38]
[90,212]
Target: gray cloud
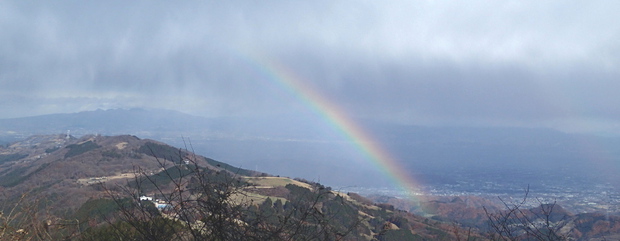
[515,63]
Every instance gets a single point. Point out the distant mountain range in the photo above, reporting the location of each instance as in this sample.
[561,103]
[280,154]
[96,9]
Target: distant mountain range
[108,122]
[158,122]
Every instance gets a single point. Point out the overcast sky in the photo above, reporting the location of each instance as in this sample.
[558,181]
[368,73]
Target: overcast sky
[483,63]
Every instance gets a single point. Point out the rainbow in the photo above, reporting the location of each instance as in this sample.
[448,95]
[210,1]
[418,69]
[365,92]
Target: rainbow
[337,118]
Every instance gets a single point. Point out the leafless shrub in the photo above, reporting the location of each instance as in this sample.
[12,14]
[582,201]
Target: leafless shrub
[199,203]
[28,219]
[520,223]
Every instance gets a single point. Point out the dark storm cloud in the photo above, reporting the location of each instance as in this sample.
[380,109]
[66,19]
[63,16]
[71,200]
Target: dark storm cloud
[423,62]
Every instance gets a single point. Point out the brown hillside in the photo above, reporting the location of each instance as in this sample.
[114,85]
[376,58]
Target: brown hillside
[65,172]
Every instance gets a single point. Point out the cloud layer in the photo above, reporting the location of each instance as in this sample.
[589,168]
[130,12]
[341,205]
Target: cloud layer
[508,63]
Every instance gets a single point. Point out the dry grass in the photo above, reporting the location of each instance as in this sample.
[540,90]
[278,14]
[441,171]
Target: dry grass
[121,145]
[249,198]
[270,182]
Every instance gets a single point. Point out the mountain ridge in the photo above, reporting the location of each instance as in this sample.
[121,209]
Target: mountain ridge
[68,173]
